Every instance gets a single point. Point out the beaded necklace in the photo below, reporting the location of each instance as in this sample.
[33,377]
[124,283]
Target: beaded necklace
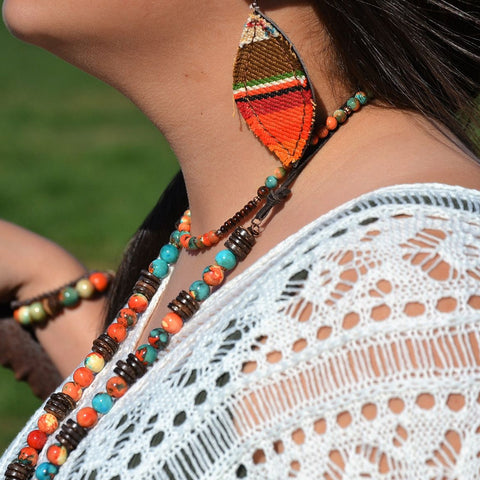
[183,307]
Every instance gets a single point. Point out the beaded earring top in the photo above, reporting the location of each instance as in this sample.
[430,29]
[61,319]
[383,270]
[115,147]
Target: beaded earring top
[272,90]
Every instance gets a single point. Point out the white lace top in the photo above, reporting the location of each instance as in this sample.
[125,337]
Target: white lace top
[350,351]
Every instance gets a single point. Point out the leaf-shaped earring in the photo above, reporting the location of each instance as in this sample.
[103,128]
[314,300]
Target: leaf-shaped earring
[272,90]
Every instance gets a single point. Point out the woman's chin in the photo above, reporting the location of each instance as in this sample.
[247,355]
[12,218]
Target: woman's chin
[20,19]
[27,22]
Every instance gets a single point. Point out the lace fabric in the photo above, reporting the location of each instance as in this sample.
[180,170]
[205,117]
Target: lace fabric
[350,351]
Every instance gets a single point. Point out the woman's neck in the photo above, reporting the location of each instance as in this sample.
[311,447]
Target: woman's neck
[222,162]
[188,96]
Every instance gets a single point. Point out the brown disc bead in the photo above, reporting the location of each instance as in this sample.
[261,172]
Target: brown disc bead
[131,369]
[184,305]
[59,405]
[145,289]
[105,346]
[347,110]
[18,471]
[237,217]
[150,278]
[240,243]
[252,204]
[71,434]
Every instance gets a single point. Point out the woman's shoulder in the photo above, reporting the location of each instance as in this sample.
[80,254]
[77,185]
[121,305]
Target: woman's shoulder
[417,205]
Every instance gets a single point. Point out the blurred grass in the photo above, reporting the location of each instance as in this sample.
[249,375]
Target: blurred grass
[78,164]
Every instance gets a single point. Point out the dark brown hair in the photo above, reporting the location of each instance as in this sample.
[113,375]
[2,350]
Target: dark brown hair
[420,55]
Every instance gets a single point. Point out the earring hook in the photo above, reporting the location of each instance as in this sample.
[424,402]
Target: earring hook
[254,5]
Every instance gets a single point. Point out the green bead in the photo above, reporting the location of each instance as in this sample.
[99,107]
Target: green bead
[199,290]
[271,182]
[37,312]
[340,115]
[69,297]
[353,103]
[175,238]
[192,244]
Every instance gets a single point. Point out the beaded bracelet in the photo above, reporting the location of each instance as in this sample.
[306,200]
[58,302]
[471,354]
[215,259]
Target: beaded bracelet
[50,304]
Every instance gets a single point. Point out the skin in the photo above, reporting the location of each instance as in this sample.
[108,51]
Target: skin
[46,266]
[174,60]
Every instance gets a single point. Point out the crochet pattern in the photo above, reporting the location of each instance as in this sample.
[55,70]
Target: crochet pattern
[350,351]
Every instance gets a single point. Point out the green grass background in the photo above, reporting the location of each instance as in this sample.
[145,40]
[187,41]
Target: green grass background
[78,164]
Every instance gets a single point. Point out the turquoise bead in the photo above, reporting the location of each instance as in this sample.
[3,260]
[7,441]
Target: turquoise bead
[353,103]
[361,97]
[159,268]
[226,259]
[169,253]
[175,238]
[158,338]
[199,290]
[46,471]
[271,182]
[102,403]
[69,297]
[146,354]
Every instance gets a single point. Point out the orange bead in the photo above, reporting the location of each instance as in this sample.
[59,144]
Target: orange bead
[172,323]
[314,139]
[73,390]
[323,133]
[331,123]
[127,317]
[87,417]
[83,376]
[184,227]
[99,281]
[210,238]
[117,331]
[205,240]
[116,387]
[57,454]
[184,239]
[213,275]
[186,219]
[28,456]
[47,423]
[279,173]
[138,302]
[36,439]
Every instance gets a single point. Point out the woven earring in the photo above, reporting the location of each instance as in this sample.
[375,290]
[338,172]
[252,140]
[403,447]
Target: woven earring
[272,90]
